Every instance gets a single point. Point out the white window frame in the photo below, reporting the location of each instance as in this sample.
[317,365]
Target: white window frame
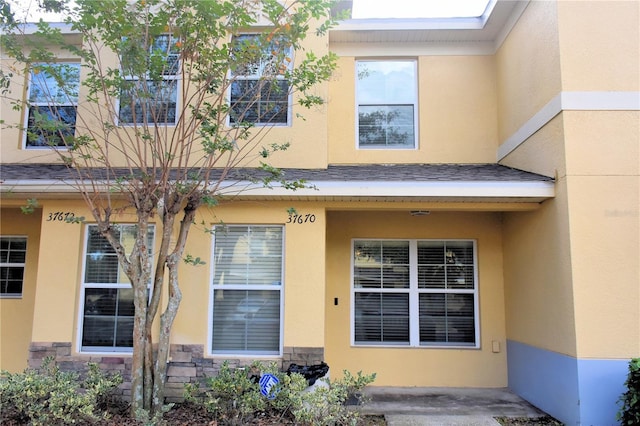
[175,78]
[84,286]
[413,102]
[15,265]
[48,103]
[258,76]
[243,287]
[414,292]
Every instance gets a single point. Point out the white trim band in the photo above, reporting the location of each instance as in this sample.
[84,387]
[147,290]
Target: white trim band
[534,190]
[570,101]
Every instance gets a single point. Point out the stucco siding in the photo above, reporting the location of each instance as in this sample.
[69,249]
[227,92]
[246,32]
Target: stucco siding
[418,366]
[16,314]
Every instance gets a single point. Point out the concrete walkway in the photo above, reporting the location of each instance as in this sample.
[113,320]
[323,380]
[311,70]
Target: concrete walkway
[446,406]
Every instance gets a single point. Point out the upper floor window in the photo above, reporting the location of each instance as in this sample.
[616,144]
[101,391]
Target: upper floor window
[152,98]
[415,293]
[107,309]
[53,103]
[247,290]
[13,253]
[259,92]
[387,102]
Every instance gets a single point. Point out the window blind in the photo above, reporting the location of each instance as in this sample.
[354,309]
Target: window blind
[247,285]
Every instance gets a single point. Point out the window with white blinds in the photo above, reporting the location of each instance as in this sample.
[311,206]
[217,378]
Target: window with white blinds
[107,309]
[247,290]
[415,293]
[13,255]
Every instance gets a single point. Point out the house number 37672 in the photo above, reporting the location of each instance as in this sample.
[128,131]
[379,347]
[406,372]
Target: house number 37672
[61,216]
[301,218]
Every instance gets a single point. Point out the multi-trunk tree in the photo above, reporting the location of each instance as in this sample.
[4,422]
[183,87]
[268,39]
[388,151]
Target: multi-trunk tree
[165,100]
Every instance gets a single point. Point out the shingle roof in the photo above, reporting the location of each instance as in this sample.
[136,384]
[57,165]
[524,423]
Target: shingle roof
[333,173]
[395,182]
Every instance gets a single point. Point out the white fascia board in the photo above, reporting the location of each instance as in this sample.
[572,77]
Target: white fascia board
[392,50]
[410,24]
[32,28]
[475,189]
[405,189]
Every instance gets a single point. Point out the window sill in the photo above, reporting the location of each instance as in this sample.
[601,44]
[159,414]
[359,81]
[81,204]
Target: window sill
[374,346]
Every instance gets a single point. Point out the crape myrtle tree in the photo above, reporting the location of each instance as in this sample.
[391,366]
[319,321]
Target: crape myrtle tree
[169,98]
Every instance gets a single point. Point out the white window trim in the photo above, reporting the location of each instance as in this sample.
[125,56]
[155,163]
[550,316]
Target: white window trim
[213,287]
[233,78]
[23,265]
[39,104]
[166,77]
[414,329]
[415,104]
[84,286]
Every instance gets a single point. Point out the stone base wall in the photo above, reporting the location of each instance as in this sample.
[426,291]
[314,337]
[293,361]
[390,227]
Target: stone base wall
[187,363]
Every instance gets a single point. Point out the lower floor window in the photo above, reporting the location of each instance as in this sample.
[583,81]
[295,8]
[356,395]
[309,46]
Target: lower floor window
[415,293]
[107,307]
[247,290]
[108,318]
[13,254]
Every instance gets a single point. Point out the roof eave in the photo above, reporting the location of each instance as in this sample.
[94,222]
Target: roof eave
[497,191]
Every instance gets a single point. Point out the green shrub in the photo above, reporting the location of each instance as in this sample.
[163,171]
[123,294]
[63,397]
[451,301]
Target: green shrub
[629,413]
[53,397]
[234,397]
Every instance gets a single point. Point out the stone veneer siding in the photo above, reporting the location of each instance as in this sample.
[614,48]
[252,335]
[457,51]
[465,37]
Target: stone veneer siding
[187,363]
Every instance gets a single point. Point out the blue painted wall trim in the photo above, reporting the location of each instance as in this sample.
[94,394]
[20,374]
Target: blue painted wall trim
[601,382]
[546,379]
[575,391]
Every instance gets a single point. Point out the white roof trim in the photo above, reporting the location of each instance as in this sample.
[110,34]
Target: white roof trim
[447,189]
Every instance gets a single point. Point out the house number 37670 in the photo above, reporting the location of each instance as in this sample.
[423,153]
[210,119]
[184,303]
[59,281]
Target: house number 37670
[301,218]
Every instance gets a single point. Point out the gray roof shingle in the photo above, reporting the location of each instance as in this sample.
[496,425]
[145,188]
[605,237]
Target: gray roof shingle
[333,173]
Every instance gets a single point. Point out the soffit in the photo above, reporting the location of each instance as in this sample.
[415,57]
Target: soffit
[483,31]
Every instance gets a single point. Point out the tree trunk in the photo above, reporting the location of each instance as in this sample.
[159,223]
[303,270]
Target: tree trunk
[169,314]
[138,365]
[164,340]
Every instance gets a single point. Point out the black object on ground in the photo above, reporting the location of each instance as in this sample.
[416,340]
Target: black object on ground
[309,372]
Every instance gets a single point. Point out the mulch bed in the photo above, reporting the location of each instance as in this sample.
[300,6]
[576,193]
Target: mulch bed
[528,421]
[182,415]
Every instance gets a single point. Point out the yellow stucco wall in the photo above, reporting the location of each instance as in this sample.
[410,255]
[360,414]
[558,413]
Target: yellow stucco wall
[16,315]
[571,267]
[304,271]
[58,291]
[417,366]
[603,167]
[528,67]
[307,133]
[457,113]
[537,256]
[59,272]
[599,44]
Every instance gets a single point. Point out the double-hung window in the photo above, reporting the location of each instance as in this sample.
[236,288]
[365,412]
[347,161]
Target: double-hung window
[387,100]
[13,254]
[247,290]
[152,98]
[259,92]
[107,312]
[415,293]
[53,104]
